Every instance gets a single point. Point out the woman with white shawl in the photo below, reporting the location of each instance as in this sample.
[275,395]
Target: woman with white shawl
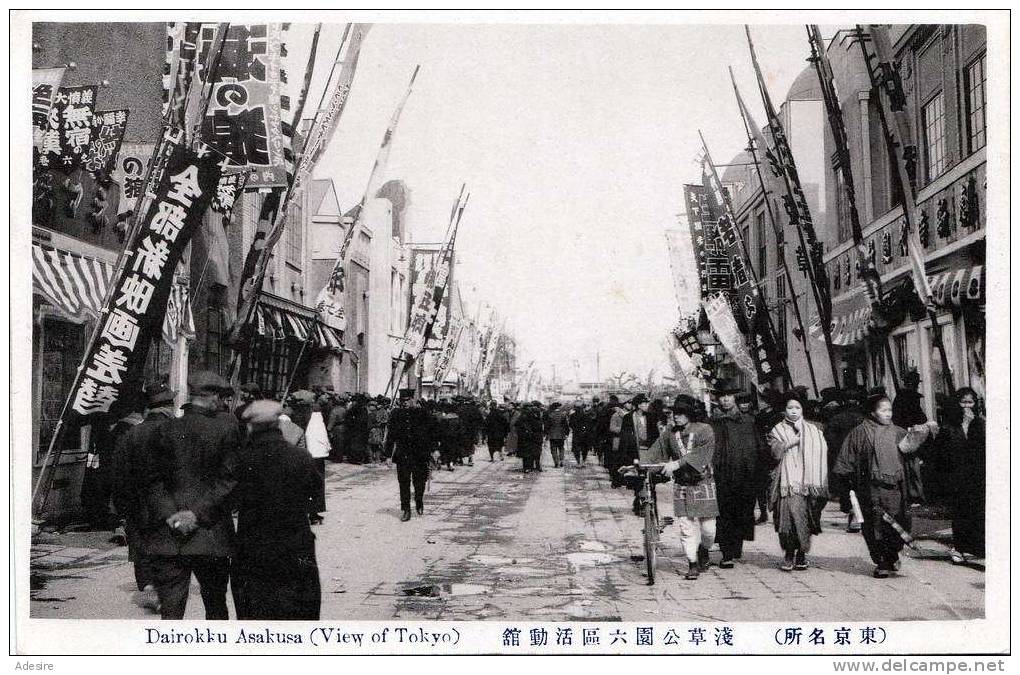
[799,482]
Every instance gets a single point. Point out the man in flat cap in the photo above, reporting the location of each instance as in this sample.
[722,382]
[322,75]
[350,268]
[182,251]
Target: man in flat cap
[129,470]
[191,474]
[411,441]
[274,575]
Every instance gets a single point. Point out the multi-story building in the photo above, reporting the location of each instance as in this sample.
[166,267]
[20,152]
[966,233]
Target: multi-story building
[942,68]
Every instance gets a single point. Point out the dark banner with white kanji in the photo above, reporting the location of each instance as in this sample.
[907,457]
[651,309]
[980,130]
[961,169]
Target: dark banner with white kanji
[714,273]
[133,316]
[243,120]
[107,134]
[747,300]
[68,128]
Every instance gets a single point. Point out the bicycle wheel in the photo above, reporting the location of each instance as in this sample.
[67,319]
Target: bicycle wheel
[651,539]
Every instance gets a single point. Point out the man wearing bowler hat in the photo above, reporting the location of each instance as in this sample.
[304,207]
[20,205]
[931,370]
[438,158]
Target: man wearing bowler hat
[191,472]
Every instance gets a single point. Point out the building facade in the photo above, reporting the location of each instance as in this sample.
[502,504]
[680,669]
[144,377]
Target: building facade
[942,68]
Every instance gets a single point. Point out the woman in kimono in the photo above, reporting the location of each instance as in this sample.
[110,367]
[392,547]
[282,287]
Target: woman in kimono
[799,488]
[962,443]
[871,464]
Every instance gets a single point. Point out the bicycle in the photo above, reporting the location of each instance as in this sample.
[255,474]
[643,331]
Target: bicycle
[650,510]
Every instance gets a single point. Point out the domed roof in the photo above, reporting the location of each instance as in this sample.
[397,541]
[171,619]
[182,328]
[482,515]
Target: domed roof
[736,172]
[805,87]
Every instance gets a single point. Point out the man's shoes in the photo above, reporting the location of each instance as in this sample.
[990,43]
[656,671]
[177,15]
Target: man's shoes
[726,564]
[762,519]
[405,516]
[880,573]
[800,562]
[788,562]
[703,561]
[956,557]
[148,598]
[692,572]
[420,510]
[315,519]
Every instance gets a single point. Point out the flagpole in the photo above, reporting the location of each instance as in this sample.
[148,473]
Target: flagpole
[896,146]
[837,126]
[240,322]
[743,246]
[780,243]
[816,274]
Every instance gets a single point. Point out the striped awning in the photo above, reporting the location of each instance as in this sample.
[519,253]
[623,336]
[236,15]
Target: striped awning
[278,324]
[849,321]
[74,284]
[959,285]
[950,288]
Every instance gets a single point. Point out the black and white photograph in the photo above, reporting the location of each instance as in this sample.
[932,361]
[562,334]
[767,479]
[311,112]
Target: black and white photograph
[511,333]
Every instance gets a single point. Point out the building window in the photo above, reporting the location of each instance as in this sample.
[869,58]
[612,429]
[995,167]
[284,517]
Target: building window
[216,354]
[269,365]
[781,312]
[763,251]
[933,120]
[976,122]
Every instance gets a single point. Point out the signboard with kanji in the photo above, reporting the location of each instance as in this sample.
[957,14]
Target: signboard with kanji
[133,316]
[68,129]
[243,120]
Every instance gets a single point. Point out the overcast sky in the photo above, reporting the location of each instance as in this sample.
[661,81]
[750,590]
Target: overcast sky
[574,142]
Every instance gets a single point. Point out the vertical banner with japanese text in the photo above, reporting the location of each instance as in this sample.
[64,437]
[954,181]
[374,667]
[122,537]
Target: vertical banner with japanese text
[748,301]
[68,129]
[108,132]
[45,83]
[243,120]
[113,368]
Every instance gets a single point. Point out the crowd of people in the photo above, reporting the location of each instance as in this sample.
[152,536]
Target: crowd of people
[228,489]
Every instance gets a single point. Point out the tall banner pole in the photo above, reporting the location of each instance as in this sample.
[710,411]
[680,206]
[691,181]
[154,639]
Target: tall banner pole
[885,79]
[837,126]
[782,163]
[780,238]
[750,295]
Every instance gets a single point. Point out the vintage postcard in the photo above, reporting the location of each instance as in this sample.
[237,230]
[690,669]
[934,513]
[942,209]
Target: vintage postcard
[511,333]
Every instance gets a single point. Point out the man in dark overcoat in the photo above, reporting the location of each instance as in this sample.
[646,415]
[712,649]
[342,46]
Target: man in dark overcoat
[410,442]
[274,574]
[129,470]
[191,475]
[736,464]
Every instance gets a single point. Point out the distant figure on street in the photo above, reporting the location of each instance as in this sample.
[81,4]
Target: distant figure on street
[497,426]
[411,444]
[274,574]
[558,429]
